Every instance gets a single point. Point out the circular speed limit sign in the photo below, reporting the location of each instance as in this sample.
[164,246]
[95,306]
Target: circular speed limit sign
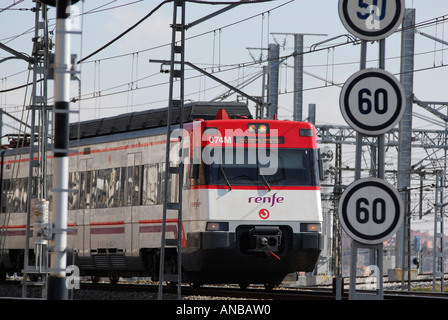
[372,101]
[371,20]
[370,211]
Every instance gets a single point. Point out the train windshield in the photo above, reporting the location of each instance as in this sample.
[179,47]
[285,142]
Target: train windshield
[246,166]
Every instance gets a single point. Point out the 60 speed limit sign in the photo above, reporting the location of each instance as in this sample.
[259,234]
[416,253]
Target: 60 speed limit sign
[370,211]
[372,101]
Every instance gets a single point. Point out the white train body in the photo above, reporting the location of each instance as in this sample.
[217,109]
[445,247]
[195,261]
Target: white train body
[238,226]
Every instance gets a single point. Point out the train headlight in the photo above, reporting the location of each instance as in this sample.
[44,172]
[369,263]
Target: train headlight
[262,128]
[252,128]
[258,128]
[217,226]
[310,227]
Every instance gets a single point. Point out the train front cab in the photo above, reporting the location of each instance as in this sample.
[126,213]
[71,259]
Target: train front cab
[237,244]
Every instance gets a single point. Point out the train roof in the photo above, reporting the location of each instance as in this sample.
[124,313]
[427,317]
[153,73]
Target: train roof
[154,118]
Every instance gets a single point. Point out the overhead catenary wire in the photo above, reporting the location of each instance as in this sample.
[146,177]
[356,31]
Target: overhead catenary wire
[156,9]
[418,25]
[231,67]
[91,11]
[10,7]
[187,38]
[126,31]
[102,93]
[423,24]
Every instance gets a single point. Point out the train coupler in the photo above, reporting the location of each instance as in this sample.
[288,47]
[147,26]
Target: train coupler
[265,239]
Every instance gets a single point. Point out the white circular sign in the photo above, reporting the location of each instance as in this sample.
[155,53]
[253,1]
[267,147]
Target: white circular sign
[371,20]
[372,101]
[370,210]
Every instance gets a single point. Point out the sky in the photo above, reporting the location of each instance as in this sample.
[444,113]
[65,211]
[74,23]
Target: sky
[232,46]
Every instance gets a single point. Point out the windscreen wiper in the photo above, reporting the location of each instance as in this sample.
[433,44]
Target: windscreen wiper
[225,176]
[262,175]
[265,181]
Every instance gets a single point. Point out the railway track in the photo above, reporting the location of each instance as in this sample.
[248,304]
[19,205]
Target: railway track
[136,291]
[258,293]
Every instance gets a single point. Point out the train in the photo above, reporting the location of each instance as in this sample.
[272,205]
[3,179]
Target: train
[251,204]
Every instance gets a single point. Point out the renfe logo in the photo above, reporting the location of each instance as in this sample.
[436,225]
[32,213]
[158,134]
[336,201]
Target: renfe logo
[272,200]
[264,214]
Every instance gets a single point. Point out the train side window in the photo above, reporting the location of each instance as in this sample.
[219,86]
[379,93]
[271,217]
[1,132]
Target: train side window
[122,191]
[102,186]
[150,184]
[24,198]
[82,190]
[49,187]
[4,195]
[138,180]
[110,186]
[106,188]
[162,183]
[20,195]
[73,184]
[115,188]
[87,189]
[92,195]
[134,186]
[129,185]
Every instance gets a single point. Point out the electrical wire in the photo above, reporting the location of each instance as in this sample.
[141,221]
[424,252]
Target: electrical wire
[126,31]
[10,6]
[192,37]
[422,24]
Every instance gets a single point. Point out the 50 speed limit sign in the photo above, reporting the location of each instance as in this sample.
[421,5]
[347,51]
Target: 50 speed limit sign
[372,101]
[371,20]
[370,211]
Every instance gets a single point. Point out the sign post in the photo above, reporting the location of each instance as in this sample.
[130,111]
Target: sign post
[370,212]
[372,103]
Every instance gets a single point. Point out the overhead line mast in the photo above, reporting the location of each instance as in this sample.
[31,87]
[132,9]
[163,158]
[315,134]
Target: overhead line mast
[56,287]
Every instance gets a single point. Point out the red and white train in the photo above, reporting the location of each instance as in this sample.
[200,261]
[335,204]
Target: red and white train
[251,196]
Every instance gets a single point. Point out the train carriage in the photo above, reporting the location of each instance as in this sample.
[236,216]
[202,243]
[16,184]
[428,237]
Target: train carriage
[251,202]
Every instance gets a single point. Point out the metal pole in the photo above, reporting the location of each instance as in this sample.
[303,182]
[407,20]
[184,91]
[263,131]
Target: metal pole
[274,54]
[181,165]
[381,143]
[438,243]
[31,165]
[405,131]
[174,73]
[263,91]
[57,289]
[311,113]
[376,251]
[381,170]
[337,228]
[354,244]
[298,77]
[359,136]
